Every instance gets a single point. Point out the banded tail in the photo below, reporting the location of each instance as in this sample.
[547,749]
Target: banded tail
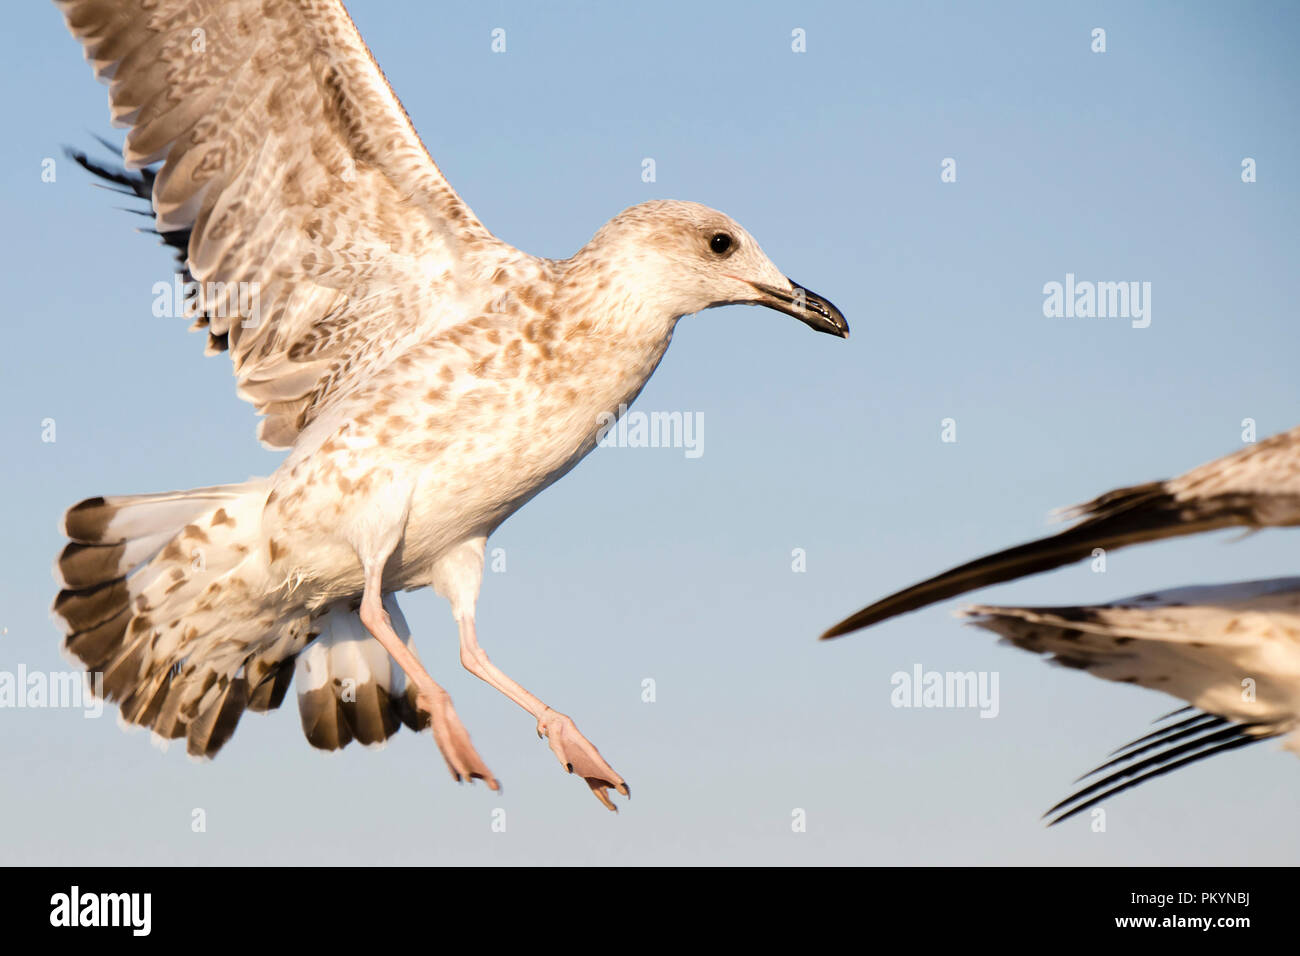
[165,596]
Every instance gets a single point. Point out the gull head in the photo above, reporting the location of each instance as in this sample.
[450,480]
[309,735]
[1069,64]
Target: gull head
[688,257]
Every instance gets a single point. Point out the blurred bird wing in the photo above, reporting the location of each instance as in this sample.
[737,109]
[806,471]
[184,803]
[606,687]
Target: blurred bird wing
[1258,486]
[1231,651]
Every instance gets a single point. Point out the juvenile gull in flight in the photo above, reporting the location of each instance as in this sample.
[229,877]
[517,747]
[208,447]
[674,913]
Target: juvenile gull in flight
[427,378]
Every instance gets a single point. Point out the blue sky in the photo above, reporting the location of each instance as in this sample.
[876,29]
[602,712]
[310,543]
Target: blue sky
[647,564]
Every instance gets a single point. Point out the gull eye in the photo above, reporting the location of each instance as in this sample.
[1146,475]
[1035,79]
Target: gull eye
[720,243]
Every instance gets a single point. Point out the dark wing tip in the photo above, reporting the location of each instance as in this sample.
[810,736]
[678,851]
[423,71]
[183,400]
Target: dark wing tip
[1116,519]
[1214,738]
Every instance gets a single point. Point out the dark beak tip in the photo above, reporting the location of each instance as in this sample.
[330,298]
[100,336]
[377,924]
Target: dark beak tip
[832,324]
[819,313]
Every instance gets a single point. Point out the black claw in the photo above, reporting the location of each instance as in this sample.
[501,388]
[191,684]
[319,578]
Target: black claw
[570,767]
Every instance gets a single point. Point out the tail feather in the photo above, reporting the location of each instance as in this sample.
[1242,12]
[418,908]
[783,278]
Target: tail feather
[123,518]
[94,646]
[268,691]
[142,705]
[216,717]
[164,595]
[123,673]
[88,608]
[348,687]
[135,579]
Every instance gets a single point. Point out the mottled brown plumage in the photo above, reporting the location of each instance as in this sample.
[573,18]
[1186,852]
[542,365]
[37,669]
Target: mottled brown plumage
[427,378]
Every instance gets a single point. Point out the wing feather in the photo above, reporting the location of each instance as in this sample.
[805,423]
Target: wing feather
[322,235]
[1231,651]
[1256,487]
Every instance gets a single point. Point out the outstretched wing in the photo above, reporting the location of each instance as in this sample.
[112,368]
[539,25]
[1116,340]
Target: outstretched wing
[1230,651]
[319,230]
[1256,487]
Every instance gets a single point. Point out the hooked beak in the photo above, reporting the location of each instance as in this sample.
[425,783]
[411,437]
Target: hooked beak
[806,306]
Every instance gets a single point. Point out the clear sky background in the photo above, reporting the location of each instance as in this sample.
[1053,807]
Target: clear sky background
[643,563]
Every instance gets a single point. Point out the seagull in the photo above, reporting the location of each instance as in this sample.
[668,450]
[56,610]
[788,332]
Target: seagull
[1232,652]
[1256,487]
[426,379]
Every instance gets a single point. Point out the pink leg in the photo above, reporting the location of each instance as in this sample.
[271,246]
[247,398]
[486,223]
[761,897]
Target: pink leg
[448,732]
[575,753]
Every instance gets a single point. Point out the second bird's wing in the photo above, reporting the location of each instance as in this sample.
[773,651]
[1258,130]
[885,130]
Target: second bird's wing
[1256,487]
[1232,652]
